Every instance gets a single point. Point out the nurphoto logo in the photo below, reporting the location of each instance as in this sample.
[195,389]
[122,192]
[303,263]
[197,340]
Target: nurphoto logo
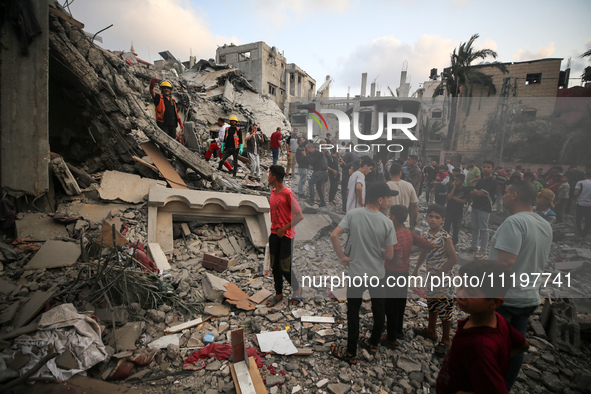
[344,131]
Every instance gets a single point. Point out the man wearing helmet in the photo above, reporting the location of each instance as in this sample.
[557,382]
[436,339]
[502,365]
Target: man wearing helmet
[167,116]
[232,144]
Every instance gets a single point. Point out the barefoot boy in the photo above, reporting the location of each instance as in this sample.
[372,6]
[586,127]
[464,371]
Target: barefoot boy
[397,274]
[440,262]
[479,356]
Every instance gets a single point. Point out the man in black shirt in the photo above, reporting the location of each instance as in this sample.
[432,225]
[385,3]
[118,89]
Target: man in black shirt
[430,172]
[454,210]
[483,197]
[167,116]
[319,167]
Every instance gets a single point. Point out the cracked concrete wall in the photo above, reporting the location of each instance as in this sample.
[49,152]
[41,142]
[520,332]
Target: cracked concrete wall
[24,109]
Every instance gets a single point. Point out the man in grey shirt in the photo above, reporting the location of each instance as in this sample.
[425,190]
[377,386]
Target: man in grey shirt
[370,232]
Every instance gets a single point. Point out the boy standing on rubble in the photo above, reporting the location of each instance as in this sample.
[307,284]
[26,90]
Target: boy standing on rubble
[396,268]
[285,215]
[441,261]
[232,144]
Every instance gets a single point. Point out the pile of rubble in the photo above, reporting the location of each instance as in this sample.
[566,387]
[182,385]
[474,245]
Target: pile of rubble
[151,316]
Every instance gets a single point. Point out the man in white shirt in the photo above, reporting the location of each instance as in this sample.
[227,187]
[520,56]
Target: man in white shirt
[407,195]
[356,186]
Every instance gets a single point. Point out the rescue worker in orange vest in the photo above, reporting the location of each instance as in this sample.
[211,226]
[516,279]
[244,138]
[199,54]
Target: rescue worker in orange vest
[232,144]
[167,116]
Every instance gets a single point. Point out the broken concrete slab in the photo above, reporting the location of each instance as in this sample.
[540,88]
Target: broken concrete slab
[158,256]
[166,169]
[260,296]
[164,205]
[6,287]
[99,387]
[163,342]
[191,140]
[227,247]
[214,287]
[310,226]
[8,313]
[117,315]
[128,335]
[36,302]
[95,213]
[217,310]
[55,254]
[40,226]
[126,187]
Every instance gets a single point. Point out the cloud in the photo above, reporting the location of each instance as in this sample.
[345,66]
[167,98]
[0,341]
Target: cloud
[383,58]
[152,25]
[528,54]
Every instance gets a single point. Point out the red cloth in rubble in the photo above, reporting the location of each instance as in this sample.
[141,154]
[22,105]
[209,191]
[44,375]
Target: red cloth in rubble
[221,352]
[147,264]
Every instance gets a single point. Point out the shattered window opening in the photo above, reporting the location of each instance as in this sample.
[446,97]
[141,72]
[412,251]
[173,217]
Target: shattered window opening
[244,56]
[272,90]
[436,114]
[533,78]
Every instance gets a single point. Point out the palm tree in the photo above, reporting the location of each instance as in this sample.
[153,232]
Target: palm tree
[461,77]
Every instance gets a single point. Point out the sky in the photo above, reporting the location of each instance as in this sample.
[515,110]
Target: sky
[344,38]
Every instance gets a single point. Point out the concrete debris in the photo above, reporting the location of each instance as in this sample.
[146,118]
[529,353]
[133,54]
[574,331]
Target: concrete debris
[131,188]
[54,254]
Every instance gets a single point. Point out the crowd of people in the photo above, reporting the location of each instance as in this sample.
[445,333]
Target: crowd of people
[380,207]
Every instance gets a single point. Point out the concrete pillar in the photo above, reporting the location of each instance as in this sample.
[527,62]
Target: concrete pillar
[363,84]
[24,120]
[287,86]
[373,90]
[300,82]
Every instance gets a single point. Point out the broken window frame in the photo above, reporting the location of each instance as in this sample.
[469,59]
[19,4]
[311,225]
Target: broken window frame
[272,89]
[533,78]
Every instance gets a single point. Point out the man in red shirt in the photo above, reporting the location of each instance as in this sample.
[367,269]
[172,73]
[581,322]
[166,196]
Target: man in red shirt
[285,215]
[276,145]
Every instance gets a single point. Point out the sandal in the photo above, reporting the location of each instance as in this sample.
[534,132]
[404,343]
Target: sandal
[423,332]
[296,298]
[389,344]
[364,343]
[441,349]
[274,301]
[342,354]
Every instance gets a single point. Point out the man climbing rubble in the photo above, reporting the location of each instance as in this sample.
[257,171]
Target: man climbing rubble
[216,144]
[167,116]
[232,144]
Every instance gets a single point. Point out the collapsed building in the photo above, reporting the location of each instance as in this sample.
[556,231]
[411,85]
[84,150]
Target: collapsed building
[147,310]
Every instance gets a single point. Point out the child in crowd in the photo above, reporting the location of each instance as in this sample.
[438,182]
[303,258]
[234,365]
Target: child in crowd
[440,185]
[396,268]
[544,204]
[562,196]
[440,261]
[529,177]
[478,359]
[456,198]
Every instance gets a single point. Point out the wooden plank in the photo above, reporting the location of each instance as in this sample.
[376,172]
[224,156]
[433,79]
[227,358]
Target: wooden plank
[54,254]
[158,256]
[145,163]
[166,169]
[20,331]
[317,319]
[238,349]
[303,351]
[255,376]
[61,14]
[183,326]
[36,303]
[243,379]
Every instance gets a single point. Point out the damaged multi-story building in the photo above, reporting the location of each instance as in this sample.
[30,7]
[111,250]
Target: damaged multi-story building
[268,71]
